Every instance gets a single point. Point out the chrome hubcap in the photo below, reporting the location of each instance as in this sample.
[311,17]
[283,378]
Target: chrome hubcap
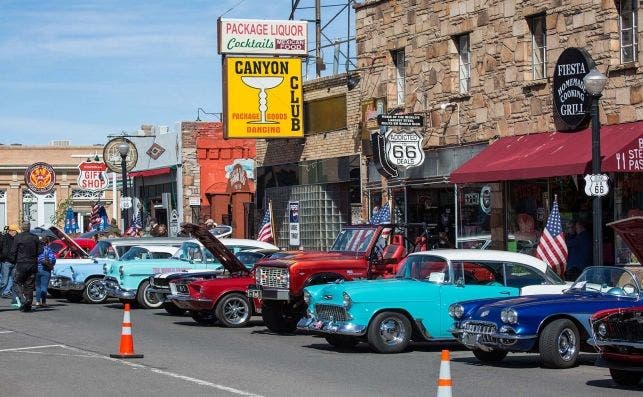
[235,311]
[96,291]
[150,298]
[392,331]
[567,344]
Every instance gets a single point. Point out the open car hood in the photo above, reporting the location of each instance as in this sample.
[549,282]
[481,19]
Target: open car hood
[224,255]
[631,231]
[73,246]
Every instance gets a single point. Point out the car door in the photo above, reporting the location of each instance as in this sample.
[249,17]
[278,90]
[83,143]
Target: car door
[473,280]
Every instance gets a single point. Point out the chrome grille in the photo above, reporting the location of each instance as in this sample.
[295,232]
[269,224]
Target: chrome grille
[626,327]
[483,328]
[331,312]
[276,277]
[159,282]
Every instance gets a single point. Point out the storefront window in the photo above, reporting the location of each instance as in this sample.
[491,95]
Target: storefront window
[474,214]
[629,202]
[527,215]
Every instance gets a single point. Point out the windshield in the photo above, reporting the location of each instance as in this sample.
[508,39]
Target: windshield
[353,240]
[193,252]
[137,253]
[103,249]
[607,280]
[424,267]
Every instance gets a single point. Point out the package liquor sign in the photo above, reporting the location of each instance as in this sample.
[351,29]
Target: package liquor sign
[404,148]
[262,37]
[262,98]
[571,101]
[92,176]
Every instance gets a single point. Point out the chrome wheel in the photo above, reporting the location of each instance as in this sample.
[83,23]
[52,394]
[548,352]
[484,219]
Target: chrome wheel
[392,331]
[567,344]
[234,310]
[95,291]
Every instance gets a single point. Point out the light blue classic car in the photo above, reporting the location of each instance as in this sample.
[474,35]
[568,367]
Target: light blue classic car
[81,281]
[389,313]
[130,280]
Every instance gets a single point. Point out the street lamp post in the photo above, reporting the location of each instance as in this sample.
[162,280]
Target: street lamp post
[123,150]
[594,83]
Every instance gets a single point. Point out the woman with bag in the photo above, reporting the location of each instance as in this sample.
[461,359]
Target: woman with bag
[46,262]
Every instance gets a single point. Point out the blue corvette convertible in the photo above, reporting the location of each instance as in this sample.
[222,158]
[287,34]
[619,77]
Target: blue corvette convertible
[556,326]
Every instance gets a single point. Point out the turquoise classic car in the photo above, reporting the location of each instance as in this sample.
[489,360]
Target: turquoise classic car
[389,313]
[129,280]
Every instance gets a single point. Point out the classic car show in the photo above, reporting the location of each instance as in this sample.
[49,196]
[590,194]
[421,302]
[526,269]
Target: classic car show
[358,198]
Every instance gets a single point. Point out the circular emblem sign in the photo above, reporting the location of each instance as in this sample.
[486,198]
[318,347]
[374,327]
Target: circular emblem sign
[112,157]
[571,101]
[40,178]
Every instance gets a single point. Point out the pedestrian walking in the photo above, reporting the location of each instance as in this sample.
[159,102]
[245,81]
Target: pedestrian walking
[24,251]
[46,262]
[7,261]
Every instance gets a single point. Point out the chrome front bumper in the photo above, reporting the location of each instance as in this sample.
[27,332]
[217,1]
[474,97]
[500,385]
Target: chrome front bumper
[488,340]
[63,283]
[114,290]
[161,292]
[331,327]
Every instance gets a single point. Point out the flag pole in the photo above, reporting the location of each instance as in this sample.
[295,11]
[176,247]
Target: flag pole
[272,223]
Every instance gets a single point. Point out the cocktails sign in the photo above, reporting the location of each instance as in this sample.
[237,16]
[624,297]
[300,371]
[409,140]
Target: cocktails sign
[571,102]
[263,98]
[257,36]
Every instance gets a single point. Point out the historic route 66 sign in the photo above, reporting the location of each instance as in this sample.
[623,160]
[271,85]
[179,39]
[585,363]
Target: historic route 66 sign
[596,185]
[404,148]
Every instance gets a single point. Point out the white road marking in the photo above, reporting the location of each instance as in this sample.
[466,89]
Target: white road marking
[5,332]
[16,349]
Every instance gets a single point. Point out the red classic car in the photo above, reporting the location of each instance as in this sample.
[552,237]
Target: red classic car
[63,250]
[221,299]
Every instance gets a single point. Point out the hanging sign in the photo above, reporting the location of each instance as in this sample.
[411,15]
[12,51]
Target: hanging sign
[113,159]
[293,217]
[92,176]
[40,178]
[404,148]
[571,102]
[596,184]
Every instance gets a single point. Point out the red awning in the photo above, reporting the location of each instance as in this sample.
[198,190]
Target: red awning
[158,171]
[622,148]
[546,154]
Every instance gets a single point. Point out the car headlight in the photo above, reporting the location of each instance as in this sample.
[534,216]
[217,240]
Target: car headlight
[307,297]
[346,301]
[121,272]
[258,275]
[601,329]
[509,316]
[456,311]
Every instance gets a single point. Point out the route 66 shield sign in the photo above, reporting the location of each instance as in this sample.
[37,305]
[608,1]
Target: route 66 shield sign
[404,148]
[596,184]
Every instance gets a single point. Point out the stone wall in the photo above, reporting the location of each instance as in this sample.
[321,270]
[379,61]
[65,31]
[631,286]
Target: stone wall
[503,98]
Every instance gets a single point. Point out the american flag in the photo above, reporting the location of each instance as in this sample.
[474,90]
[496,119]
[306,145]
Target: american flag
[383,216]
[265,233]
[137,224]
[552,248]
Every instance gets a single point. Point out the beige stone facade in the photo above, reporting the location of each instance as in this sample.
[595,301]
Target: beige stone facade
[503,98]
[14,160]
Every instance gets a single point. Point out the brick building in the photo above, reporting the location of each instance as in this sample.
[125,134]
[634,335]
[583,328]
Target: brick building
[17,202]
[480,72]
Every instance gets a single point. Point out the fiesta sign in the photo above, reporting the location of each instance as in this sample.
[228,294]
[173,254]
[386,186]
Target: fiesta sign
[571,102]
[256,36]
[92,176]
[263,98]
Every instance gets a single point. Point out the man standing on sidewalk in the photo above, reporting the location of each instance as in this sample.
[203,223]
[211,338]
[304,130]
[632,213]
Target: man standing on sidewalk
[6,261]
[25,250]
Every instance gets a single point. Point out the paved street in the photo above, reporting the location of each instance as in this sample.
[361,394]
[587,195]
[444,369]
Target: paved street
[64,351]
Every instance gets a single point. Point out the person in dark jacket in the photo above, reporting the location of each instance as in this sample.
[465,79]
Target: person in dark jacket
[8,265]
[25,250]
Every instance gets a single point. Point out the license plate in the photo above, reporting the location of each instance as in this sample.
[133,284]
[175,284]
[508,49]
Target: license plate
[254,293]
[182,288]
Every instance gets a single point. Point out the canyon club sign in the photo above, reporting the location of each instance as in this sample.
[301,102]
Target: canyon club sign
[571,101]
[262,37]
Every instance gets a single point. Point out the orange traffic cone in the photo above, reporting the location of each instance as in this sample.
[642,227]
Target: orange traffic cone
[444,381]
[127,342]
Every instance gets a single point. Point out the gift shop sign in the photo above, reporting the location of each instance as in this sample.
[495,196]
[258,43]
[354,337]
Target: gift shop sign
[263,98]
[571,101]
[256,36]
[92,176]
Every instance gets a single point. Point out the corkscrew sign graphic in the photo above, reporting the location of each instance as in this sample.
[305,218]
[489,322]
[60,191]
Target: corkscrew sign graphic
[263,98]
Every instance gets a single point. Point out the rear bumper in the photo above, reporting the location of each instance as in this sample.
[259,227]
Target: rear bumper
[266,293]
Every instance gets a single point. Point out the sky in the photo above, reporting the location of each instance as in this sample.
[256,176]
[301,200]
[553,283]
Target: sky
[82,70]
